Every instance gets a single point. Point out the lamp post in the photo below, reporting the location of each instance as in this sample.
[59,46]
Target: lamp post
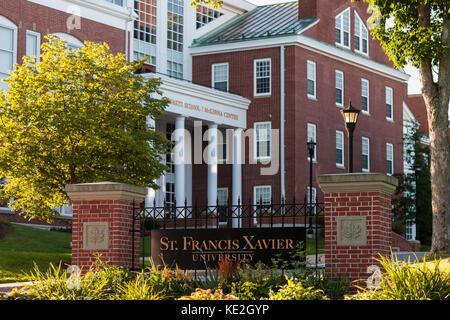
[350,117]
[311,146]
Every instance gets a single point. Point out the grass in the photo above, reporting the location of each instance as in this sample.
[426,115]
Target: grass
[24,246]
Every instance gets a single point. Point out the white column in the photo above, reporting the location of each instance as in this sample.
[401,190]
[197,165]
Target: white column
[179,162]
[151,193]
[212,164]
[237,175]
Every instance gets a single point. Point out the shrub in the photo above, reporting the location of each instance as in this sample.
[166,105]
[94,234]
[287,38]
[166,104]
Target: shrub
[206,294]
[294,290]
[334,289]
[140,288]
[408,282]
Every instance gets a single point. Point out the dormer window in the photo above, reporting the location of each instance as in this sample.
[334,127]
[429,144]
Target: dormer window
[361,36]
[342,29]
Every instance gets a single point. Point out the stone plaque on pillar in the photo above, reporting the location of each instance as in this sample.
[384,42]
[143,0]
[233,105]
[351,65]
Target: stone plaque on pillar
[95,236]
[351,231]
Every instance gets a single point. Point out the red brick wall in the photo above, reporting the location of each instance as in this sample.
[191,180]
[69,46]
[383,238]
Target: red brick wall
[352,261]
[299,110]
[119,215]
[46,20]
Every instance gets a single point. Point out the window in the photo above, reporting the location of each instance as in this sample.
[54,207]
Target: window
[389,103]
[313,194]
[339,88]
[339,148]
[361,36]
[222,203]
[263,196]
[117,2]
[33,44]
[222,140]
[342,29]
[263,139]
[145,30]
[7,51]
[205,15]
[175,38]
[263,74]
[312,136]
[389,159]
[311,70]
[365,154]
[365,95]
[220,76]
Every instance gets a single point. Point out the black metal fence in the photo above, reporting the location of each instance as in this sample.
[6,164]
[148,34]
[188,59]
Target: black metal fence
[286,214]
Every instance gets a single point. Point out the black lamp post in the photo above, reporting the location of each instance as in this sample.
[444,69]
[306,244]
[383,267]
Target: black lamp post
[311,146]
[350,117]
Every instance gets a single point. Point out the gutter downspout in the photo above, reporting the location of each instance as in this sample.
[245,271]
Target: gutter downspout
[282,116]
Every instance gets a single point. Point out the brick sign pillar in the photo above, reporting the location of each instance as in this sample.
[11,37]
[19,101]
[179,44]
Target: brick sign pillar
[358,222]
[101,223]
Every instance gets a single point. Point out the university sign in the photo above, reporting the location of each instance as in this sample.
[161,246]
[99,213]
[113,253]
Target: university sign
[195,249]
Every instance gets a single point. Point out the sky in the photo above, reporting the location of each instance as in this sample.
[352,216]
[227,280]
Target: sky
[414,81]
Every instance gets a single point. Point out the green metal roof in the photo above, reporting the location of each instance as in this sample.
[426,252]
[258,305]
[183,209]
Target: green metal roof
[274,20]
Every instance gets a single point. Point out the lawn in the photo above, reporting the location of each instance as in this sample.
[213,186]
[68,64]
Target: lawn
[23,246]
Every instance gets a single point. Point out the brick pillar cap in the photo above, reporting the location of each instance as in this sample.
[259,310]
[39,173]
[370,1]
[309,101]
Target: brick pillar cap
[357,182]
[105,191]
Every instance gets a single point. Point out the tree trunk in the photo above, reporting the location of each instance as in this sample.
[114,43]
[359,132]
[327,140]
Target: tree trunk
[436,96]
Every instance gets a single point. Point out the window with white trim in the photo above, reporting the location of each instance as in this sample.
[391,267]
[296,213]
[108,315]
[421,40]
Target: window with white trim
[339,148]
[311,134]
[262,140]
[33,44]
[342,29]
[262,77]
[313,194]
[222,141]
[144,30]
[220,76]
[361,36]
[263,195]
[311,75]
[339,88]
[389,103]
[365,154]
[389,159]
[206,15]
[8,45]
[175,38]
[222,203]
[365,105]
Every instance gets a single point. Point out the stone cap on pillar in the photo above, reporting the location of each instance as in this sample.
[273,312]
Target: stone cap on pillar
[106,191]
[357,182]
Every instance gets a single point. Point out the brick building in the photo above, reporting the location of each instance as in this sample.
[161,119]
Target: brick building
[269,77]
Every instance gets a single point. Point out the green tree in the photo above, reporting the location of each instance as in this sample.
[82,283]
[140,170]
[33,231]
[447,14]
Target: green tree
[418,33]
[214,3]
[76,116]
[408,195]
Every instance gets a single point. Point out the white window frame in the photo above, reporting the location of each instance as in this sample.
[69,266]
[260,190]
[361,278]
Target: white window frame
[8,24]
[313,128]
[341,134]
[213,74]
[365,139]
[338,72]
[342,30]
[38,44]
[360,32]
[255,77]
[256,199]
[255,148]
[222,144]
[367,95]
[313,201]
[390,157]
[390,94]
[220,203]
[311,76]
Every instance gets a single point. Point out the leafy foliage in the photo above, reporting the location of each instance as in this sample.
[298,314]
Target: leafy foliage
[76,116]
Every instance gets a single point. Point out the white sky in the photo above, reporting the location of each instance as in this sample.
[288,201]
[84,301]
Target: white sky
[414,82]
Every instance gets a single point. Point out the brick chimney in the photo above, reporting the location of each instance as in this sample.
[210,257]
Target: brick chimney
[307,8]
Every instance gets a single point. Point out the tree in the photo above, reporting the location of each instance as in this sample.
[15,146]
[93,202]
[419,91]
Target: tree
[412,199]
[214,3]
[76,116]
[418,33]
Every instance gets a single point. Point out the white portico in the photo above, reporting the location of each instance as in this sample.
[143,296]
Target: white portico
[191,108]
